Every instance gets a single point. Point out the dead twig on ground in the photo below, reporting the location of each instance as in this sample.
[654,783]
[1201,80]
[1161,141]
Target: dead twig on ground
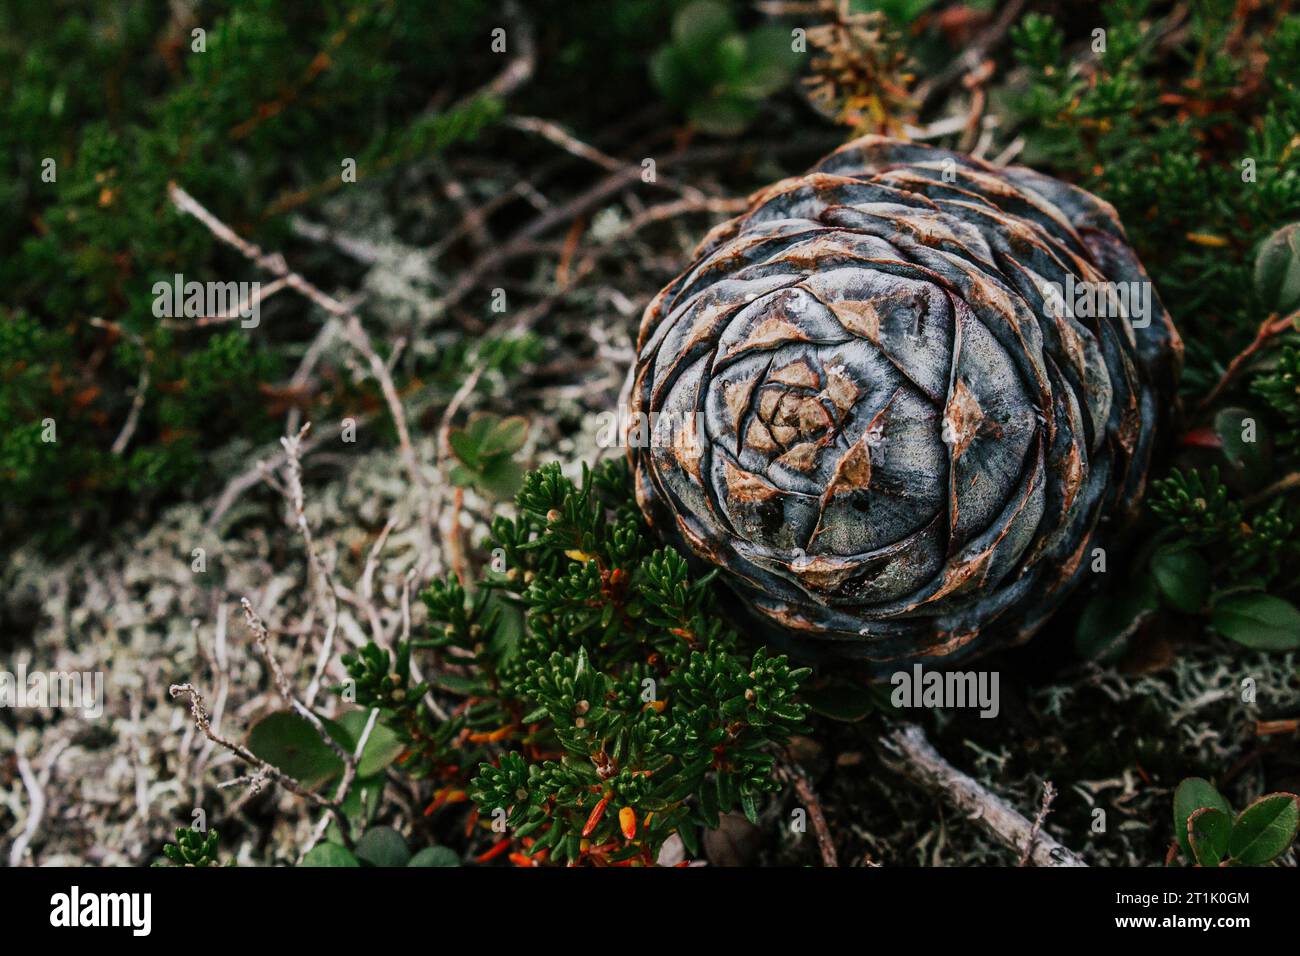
[352,329]
[325,582]
[220,666]
[257,474]
[562,138]
[796,775]
[907,751]
[616,181]
[367,589]
[292,489]
[264,770]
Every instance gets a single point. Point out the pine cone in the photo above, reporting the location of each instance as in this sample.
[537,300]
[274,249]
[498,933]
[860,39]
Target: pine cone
[870,407]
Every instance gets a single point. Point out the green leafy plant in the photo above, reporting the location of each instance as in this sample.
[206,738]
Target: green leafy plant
[1279,386]
[718,75]
[192,848]
[1277,270]
[485,450]
[378,846]
[1209,834]
[604,706]
[291,744]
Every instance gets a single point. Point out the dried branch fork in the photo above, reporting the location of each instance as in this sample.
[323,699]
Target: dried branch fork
[264,770]
[907,751]
[352,330]
[294,446]
[257,473]
[328,591]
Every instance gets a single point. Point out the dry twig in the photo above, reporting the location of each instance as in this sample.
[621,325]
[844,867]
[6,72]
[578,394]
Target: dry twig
[910,754]
[264,770]
[325,587]
[804,788]
[352,329]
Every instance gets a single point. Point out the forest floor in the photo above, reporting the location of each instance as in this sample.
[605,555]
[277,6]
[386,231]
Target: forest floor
[110,791]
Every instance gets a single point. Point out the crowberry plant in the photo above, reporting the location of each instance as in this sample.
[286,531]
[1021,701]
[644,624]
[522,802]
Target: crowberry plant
[589,701]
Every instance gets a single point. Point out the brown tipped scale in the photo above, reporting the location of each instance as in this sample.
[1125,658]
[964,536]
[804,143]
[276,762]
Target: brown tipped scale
[881,425]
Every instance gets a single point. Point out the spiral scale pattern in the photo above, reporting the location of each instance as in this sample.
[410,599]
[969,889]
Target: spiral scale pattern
[868,410]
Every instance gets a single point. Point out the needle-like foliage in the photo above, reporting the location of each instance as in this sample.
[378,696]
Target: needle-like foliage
[602,704]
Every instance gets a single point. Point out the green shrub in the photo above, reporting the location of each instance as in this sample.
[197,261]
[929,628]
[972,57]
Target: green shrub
[603,704]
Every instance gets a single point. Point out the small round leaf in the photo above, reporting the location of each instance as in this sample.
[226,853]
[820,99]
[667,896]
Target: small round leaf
[1208,830]
[383,846]
[1277,270]
[1193,794]
[293,746]
[435,856]
[1258,621]
[1183,577]
[329,854]
[1265,829]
